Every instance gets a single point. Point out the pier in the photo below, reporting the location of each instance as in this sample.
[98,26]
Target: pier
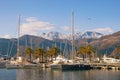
[80,66]
[88,66]
[112,66]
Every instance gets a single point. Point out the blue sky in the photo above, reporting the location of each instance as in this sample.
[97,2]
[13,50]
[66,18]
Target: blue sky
[38,16]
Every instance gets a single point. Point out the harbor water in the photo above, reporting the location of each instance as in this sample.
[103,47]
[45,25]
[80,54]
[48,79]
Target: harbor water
[48,74]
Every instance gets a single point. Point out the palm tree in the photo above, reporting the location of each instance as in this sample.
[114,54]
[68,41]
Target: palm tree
[29,51]
[50,53]
[55,51]
[90,51]
[39,53]
[45,56]
[82,51]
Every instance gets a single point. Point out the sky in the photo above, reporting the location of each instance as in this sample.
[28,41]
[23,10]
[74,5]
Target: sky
[43,16]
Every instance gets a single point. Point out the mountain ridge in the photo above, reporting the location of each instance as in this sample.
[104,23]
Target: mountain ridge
[104,45]
[79,35]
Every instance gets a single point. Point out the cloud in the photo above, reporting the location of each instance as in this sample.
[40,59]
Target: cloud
[66,28]
[33,26]
[103,30]
[31,19]
[5,36]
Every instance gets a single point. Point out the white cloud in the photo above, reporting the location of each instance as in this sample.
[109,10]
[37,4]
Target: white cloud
[103,30]
[31,19]
[5,36]
[33,26]
[66,28]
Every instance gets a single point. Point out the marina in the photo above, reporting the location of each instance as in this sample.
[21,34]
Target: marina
[63,66]
[60,40]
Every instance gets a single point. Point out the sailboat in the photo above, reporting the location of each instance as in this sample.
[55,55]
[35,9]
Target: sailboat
[16,63]
[71,64]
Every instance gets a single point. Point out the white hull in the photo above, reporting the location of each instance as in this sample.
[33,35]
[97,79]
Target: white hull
[13,66]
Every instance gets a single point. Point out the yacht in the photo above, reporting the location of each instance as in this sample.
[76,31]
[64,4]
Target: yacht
[106,59]
[15,63]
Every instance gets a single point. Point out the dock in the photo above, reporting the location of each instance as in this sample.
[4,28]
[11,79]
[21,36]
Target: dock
[112,66]
[87,66]
[80,66]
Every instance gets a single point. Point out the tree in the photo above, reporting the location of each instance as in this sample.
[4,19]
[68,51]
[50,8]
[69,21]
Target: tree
[53,52]
[39,53]
[29,51]
[50,53]
[90,51]
[82,51]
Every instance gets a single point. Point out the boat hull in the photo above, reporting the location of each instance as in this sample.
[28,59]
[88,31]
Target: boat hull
[70,66]
[13,66]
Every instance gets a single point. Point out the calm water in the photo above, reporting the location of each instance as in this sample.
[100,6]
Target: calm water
[47,74]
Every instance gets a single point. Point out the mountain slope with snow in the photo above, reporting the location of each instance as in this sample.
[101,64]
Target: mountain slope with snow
[58,35]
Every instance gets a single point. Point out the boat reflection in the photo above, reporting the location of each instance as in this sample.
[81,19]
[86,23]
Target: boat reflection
[48,74]
[29,74]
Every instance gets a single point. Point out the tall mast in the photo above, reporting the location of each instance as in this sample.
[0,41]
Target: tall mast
[72,34]
[31,42]
[18,48]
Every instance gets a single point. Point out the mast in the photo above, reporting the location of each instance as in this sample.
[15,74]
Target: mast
[60,49]
[18,48]
[31,42]
[72,34]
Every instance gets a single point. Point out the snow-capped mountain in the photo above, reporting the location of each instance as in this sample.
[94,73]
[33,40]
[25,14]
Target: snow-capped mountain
[80,35]
[89,34]
[53,35]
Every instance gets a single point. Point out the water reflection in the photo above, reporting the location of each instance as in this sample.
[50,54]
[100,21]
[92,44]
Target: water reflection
[7,74]
[47,74]
[30,74]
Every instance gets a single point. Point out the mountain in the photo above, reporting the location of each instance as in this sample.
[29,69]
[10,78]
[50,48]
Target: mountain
[88,35]
[53,35]
[107,43]
[103,45]
[58,35]
[9,46]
